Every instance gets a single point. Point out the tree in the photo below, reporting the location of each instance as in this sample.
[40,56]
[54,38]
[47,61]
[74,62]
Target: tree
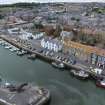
[77,19]
[73,18]
[38,25]
[49,30]
[57,30]
[91,41]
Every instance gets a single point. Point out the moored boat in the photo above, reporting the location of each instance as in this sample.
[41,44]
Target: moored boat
[19,53]
[32,56]
[100,83]
[24,51]
[59,65]
[3,43]
[8,47]
[80,74]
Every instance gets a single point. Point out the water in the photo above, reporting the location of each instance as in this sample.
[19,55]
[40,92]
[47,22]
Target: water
[65,90]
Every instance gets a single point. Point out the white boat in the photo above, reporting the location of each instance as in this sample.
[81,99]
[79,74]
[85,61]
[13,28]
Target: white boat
[80,74]
[100,83]
[12,50]
[32,56]
[58,65]
[24,52]
[21,52]
[3,43]
[7,47]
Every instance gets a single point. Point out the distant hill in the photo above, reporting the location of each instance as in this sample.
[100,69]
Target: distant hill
[20,5]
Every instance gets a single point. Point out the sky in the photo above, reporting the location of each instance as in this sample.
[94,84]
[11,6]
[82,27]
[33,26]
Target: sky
[15,1]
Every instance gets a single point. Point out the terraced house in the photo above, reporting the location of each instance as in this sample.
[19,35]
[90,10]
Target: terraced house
[51,44]
[93,55]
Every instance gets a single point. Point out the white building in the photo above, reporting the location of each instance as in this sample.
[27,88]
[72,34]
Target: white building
[14,31]
[39,35]
[51,44]
[66,34]
[27,35]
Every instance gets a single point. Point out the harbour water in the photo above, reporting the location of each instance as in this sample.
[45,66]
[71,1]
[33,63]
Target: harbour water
[65,89]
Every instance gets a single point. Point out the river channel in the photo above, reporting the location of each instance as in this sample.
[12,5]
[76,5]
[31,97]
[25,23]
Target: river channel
[65,89]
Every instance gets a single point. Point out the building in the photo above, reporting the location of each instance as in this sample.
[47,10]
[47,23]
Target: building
[24,34]
[66,34]
[13,20]
[51,44]
[38,35]
[14,31]
[93,55]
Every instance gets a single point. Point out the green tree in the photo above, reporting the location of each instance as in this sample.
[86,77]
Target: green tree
[73,18]
[38,25]
[57,30]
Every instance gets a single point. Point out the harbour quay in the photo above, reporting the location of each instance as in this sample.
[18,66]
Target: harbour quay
[39,52]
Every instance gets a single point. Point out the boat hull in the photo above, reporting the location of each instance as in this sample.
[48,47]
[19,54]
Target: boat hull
[98,84]
[78,76]
[57,66]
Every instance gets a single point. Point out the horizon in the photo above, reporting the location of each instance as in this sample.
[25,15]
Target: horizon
[3,2]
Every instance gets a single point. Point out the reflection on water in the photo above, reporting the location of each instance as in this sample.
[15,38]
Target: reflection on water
[65,90]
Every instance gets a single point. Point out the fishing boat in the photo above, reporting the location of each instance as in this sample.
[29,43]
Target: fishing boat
[19,53]
[3,43]
[8,47]
[0,42]
[100,83]
[24,51]
[59,65]
[32,56]
[12,50]
[79,74]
